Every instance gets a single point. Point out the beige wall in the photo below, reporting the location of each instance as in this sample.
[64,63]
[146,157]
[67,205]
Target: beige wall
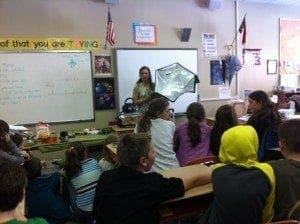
[87,18]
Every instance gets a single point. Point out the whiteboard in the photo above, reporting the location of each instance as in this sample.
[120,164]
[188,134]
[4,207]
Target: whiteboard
[46,86]
[129,61]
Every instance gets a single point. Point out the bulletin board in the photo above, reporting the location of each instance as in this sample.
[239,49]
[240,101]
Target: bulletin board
[46,86]
[289,46]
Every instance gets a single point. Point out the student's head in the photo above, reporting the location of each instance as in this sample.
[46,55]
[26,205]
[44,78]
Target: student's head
[74,155]
[105,152]
[136,151]
[226,115]
[239,146]
[145,74]
[33,168]
[17,139]
[289,140]
[158,108]
[4,129]
[195,111]
[12,184]
[259,100]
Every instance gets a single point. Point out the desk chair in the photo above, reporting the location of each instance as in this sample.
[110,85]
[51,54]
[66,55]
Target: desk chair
[207,160]
[269,146]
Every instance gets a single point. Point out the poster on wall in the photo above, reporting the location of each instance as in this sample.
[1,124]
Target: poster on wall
[144,33]
[104,93]
[102,65]
[289,46]
[217,72]
[209,45]
[251,56]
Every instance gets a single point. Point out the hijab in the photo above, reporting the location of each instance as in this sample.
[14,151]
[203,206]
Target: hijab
[239,147]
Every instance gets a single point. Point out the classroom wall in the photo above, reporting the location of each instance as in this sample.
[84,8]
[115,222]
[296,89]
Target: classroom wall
[87,18]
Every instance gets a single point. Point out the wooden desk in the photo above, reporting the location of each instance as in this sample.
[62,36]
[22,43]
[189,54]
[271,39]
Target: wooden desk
[194,201]
[120,130]
[87,141]
[185,171]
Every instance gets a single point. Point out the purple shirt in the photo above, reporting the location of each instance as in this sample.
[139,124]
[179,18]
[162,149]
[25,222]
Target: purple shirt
[185,152]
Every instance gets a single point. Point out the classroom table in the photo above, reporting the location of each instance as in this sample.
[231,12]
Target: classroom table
[122,130]
[194,201]
[87,141]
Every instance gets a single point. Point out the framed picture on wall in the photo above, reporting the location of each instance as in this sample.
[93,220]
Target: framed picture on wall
[102,64]
[217,72]
[271,67]
[104,93]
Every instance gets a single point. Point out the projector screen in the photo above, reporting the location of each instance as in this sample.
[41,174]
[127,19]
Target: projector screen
[46,86]
[129,61]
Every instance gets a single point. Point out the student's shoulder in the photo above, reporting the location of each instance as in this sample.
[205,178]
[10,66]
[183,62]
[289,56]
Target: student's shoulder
[36,221]
[29,221]
[283,163]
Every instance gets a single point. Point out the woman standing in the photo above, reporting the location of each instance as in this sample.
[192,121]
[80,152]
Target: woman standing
[191,139]
[143,89]
[157,121]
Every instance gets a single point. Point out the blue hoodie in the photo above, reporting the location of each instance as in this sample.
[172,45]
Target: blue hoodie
[44,200]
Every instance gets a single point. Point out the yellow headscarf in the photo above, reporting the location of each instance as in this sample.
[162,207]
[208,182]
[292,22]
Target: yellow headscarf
[239,146]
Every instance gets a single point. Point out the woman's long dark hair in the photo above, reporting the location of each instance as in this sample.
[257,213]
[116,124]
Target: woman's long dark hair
[149,78]
[263,98]
[4,128]
[156,105]
[195,114]
[74,155]
[225,118]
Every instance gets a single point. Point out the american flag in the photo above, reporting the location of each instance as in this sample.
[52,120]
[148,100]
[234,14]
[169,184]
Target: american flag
[110,30]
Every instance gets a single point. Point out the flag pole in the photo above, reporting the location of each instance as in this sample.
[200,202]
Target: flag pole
[236,32]
[105,45]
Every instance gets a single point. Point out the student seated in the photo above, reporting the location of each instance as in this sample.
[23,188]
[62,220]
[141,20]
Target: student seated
[127,194]
[82,173]
[243,188]
[287,171]
[12,185]
[191,139]
[225,118]
[157,121]
[265,119]
[107,163]
[43,198]
[8,149]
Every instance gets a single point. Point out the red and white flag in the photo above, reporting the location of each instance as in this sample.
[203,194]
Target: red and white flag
[243,29]
[110,31]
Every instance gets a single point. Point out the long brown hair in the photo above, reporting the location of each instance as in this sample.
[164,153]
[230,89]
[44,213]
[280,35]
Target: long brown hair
[225,118]
[4,129]
[195,114]
[74,155]
[156,105]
